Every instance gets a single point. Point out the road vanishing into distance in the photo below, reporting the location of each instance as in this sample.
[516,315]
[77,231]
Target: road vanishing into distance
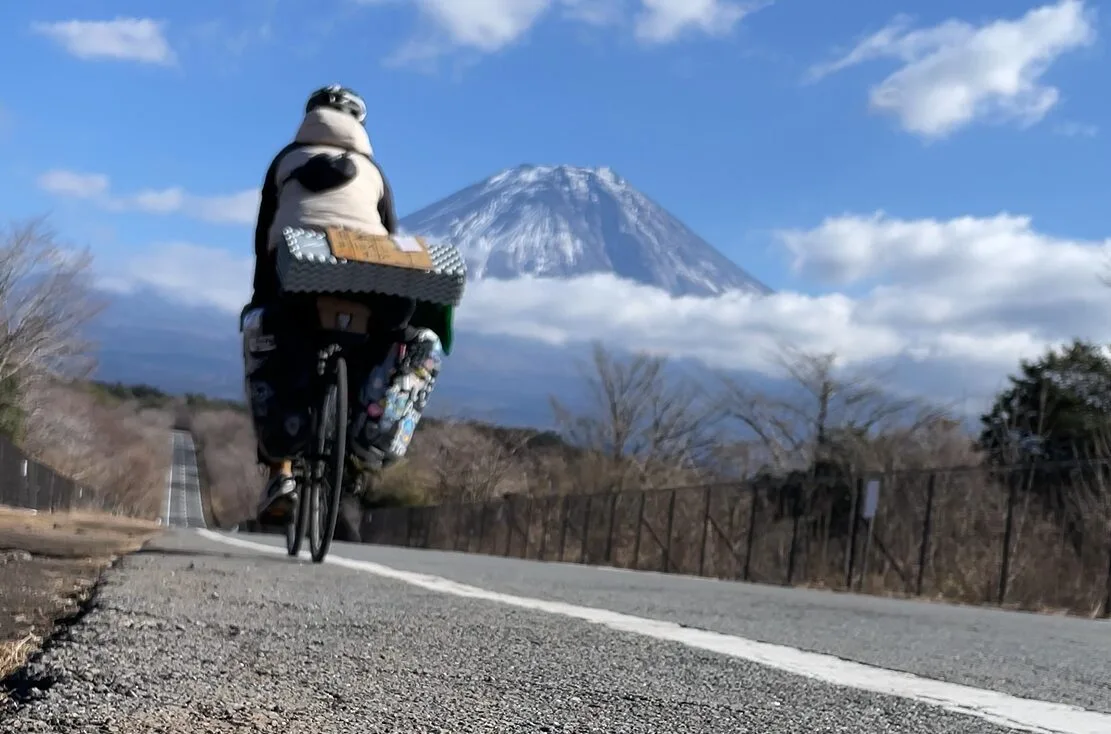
[183,507]
[213,632]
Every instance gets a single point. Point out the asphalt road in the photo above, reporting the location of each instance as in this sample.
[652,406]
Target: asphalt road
[207,632]
[183,507]
[224,633]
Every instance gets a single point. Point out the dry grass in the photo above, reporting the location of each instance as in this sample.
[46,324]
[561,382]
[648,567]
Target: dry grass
[79,534]
[14,655]
[49,564]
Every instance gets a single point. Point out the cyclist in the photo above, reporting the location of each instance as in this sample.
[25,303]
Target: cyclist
[328,177]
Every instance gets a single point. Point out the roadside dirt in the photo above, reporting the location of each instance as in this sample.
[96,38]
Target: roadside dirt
[49,565]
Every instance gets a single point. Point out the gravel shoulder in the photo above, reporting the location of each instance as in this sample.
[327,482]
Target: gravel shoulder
[49,565]
[190,635]
[1052,658]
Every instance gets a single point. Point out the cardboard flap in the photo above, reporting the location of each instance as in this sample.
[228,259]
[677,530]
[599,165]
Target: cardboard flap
[397,251]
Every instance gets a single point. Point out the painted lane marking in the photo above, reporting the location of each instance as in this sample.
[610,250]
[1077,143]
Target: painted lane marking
[1002,709]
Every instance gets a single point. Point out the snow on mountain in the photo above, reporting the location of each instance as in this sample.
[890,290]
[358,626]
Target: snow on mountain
[563,221]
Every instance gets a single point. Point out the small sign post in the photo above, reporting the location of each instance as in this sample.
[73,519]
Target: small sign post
[868,512]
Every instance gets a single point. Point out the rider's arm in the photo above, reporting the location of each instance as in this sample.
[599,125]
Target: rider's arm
[266,278]
[386,211]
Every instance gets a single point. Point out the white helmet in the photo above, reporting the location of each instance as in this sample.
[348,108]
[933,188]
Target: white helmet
[339,98]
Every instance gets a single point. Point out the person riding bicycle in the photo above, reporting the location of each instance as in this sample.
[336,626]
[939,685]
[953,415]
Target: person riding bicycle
[327,177]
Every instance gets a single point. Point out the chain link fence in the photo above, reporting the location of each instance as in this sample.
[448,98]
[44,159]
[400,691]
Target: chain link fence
[967,535]
[27,484]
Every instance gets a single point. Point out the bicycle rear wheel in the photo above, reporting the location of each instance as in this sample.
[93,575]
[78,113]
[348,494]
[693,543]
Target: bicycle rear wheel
[331,444]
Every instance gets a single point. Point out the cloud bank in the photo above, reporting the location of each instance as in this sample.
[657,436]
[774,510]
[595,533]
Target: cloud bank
[239,208]
[488,26]
[960,300]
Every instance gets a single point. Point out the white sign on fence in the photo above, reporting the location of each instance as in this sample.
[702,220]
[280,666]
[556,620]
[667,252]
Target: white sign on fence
[871,499]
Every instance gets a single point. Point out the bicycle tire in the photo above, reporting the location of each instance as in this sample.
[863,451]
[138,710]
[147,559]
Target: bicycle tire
[295,529]
[328,489]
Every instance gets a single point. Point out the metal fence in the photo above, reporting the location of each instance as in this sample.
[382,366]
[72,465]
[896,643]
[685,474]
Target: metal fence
[965,535]
[28,484]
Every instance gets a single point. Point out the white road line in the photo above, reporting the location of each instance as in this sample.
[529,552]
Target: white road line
[1021,714]
[169,488]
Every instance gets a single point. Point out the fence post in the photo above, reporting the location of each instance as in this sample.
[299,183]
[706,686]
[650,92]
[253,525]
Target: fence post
[705,523]
[547,513]
[867,552]
[609,534]
[927,528]
[670,524]
[528,528]
[510,510]
[850,556]
[1107,585]
[25,471]
[481,526]
[585,545]
[640,525]
[563,530]
[1008,531]
[462,510]
[792,552]
[751,539]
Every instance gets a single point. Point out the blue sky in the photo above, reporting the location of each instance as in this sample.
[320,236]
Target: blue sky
[715,108]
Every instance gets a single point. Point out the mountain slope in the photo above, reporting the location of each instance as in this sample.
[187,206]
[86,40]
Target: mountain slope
[563,221]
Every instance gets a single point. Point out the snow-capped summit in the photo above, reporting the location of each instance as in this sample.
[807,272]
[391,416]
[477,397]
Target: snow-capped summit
[563,221]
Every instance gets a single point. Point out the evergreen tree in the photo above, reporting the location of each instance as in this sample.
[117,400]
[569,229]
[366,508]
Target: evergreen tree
[1058,408]
[1051,426]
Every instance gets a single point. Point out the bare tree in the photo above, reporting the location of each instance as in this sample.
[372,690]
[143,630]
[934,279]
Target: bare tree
[821,414]
[118,450]
[647,427]
[226,443]
[45,301]
[472,467]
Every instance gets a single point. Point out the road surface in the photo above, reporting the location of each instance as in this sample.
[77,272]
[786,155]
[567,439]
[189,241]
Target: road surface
[203,631]
[183,507]
[224,633]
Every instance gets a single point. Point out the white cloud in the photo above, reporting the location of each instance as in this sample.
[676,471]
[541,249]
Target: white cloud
[124,39]
[200,276]
[661,21]
[955,302]
[954,74]
[73,183]
[487,26]
[238,208]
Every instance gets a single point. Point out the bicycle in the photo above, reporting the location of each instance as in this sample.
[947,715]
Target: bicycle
[319,474]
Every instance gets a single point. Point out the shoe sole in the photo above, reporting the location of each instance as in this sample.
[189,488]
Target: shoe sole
[278,512]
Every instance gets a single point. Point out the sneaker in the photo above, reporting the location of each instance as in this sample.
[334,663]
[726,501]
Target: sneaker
[278,500]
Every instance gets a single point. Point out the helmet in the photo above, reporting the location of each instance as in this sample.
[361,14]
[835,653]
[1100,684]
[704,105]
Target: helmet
[339,98]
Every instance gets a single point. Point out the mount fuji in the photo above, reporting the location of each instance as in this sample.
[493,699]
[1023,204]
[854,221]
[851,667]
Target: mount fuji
[564,221]
[553,222]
